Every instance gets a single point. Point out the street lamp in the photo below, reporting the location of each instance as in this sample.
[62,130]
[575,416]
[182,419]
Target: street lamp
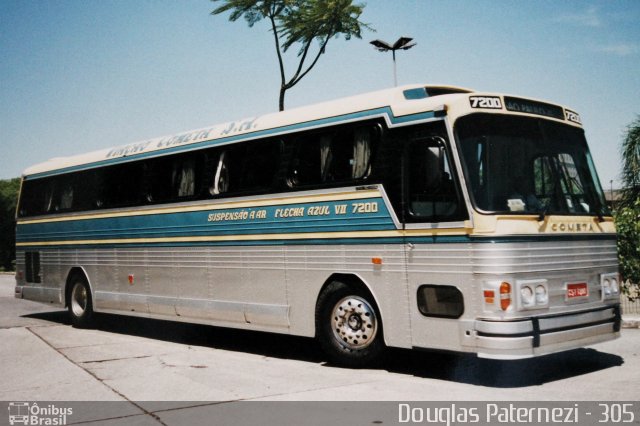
[403,43]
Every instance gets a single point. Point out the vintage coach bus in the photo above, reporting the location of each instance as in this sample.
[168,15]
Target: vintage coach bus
[415,217]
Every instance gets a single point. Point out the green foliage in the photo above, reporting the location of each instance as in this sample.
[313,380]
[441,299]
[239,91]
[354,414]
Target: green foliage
[631,164]
[628,214]
[8,200]
[628,227]
[300,22]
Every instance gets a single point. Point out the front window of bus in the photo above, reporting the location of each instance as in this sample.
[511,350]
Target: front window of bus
[521,165]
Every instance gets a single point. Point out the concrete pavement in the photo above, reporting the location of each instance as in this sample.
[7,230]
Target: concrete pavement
[133,359]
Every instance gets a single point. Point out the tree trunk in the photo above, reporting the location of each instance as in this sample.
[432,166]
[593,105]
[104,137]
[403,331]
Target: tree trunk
[283,89]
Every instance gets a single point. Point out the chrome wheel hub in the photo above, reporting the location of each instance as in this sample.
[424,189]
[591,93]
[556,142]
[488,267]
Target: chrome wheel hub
[79,300]
[354,322]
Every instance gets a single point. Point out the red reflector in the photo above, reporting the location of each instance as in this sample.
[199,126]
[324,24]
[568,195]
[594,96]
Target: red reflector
[131,279]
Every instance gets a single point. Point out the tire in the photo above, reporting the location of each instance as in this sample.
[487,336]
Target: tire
[348,326]
[80,304]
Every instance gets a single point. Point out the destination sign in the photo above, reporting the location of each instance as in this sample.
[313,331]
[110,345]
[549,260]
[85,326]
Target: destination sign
[533,107]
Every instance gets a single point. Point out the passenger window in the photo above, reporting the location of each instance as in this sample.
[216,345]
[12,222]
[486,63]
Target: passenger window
[58,195]
[173,179]
[123,185]
[338,156]
[260,165]
[246,168]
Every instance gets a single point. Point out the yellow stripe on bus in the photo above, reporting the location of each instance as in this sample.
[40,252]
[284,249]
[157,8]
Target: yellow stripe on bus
[340,196]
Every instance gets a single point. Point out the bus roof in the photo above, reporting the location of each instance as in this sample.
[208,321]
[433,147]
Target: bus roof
[392,104]
[401,101]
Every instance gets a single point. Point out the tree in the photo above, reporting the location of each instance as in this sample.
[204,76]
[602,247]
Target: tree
[631,164]
[299,22]
[628,213]
[8,200]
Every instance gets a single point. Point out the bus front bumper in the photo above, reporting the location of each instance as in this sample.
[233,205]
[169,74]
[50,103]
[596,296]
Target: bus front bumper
[533,336]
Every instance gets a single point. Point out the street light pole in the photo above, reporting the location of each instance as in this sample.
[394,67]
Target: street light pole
[611,193]
[403,43]
[395,71]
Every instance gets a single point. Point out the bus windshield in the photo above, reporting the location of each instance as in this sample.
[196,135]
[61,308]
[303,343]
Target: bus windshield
[521,165]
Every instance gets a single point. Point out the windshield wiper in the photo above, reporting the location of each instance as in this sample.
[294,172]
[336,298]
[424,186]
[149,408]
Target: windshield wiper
[543,213]
[599,209]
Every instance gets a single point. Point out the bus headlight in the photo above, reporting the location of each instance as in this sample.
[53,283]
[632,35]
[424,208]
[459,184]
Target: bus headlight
[615,287]
[526,296]
[542,295]
[533,294]
[610,286]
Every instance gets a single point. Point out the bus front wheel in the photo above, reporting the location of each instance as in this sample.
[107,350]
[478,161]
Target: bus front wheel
[80,304]
[348,326]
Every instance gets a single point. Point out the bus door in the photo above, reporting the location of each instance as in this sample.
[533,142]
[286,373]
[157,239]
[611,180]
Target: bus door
[436,253]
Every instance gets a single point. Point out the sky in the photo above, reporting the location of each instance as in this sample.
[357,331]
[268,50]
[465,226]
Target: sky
[83,75]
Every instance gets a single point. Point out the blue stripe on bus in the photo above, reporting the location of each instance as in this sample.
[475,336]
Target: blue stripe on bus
[313,217]
[245,136]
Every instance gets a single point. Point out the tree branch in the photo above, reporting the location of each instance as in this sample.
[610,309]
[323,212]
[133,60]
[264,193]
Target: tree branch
[294,80]
[277,41]
[302,60]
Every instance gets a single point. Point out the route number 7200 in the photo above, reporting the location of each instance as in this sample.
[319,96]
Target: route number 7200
[491,102]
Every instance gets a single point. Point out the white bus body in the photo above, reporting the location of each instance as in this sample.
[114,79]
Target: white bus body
[416,217]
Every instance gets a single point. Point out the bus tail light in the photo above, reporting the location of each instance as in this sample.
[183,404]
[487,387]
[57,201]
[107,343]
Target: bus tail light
[505,295]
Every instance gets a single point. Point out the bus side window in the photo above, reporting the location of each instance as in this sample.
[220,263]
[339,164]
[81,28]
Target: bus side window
[362,147]
[260,164]
[123,184]
[246,168]
[172,179]
[306,163]
[58,195]
[339,156]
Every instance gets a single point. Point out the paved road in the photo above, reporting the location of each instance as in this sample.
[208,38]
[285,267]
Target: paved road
[133,359]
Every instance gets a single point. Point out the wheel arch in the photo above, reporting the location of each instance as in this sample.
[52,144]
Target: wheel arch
[356,282]
[73,272]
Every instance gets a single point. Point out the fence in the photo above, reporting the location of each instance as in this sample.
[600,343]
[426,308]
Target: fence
[628,307]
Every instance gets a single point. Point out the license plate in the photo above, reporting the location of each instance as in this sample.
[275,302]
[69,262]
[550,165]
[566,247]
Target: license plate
[577,291]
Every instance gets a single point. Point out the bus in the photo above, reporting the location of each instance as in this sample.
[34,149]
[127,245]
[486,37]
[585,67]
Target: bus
[422,216]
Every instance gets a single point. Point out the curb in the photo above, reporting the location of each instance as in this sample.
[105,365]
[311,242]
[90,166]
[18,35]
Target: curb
[630,322]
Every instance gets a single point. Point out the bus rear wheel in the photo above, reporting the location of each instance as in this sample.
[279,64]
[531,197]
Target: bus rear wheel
[348,326]
[80,305]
